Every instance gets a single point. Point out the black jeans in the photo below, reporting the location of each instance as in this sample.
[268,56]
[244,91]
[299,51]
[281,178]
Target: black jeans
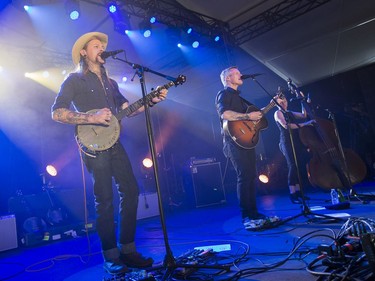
[244,163]
[286,150]
[114,163]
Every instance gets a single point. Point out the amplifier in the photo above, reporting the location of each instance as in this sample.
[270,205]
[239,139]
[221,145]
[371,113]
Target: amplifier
[8,232]
[208,184]
[148,205]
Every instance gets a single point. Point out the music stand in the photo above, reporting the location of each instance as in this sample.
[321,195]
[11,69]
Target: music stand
[305,209]
[169,262]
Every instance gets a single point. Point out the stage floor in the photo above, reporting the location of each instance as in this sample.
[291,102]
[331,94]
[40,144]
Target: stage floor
[279,253]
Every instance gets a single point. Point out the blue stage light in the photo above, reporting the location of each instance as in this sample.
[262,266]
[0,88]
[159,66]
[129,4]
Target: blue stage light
[195,44]
[74,15]
[189,30]
[152,19]
[145,28]
[217,38]
[179,45]
[112,8]
[121,21]
[72,9]
[147,33]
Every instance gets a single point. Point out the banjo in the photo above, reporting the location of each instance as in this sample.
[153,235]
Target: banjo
[92,138]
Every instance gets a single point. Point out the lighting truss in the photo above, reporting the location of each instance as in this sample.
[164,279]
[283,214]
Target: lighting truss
[279,14]
[172,14]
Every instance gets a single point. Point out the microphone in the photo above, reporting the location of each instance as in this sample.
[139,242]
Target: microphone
[247,76]
[108,54]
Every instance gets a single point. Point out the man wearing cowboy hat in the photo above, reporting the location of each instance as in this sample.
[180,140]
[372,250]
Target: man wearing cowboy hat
[87,89]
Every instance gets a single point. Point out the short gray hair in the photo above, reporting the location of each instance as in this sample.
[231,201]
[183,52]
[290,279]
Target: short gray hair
[224,74]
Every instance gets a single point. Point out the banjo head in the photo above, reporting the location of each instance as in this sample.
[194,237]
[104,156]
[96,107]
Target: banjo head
[98,137]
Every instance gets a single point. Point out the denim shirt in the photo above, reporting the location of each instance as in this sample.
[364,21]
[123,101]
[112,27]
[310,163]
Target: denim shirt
[86,92]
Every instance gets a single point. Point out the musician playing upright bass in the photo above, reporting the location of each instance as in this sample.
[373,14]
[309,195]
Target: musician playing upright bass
[87,89]
[285,120]
[231,106]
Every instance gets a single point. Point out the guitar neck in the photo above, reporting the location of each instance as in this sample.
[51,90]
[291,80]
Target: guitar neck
[272,104]
[268,107]
[139,103]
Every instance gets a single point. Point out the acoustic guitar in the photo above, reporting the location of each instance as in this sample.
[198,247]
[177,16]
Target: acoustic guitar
[92,138]
[245,133]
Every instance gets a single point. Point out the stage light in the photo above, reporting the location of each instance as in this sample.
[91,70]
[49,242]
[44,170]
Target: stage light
[112,7]
[74,15]
[147,163]
[145,28]
[263,178]
[36,226]
[217,38]
[121,22]
[26,8]
[265,170]
[189,30]
[195,44]
[124,79]
[147,33]
[173,36]
[72,9]
[152,19]
[121,27]
[51,170]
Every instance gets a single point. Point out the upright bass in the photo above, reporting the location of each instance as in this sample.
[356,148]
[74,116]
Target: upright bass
[331,165]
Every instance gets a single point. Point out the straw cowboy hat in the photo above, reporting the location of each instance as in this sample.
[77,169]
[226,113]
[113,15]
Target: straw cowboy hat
[83,40]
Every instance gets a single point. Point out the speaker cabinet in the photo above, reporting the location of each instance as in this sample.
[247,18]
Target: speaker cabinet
[8,233]
[148,205]
[208,184]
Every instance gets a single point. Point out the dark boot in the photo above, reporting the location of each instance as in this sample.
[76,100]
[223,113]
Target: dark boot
[115,266]
[294,198]
[136,260]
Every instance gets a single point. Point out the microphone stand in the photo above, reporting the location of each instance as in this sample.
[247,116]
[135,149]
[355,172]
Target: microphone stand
[169,261]
[346,180]
[305,209]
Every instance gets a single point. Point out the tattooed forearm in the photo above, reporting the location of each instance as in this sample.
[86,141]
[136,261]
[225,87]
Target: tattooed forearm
[233,116]
[77,118]
[242,117]
[64,115]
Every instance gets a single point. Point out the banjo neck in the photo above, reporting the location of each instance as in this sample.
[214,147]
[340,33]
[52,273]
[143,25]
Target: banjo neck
[92,138]
[126,112]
